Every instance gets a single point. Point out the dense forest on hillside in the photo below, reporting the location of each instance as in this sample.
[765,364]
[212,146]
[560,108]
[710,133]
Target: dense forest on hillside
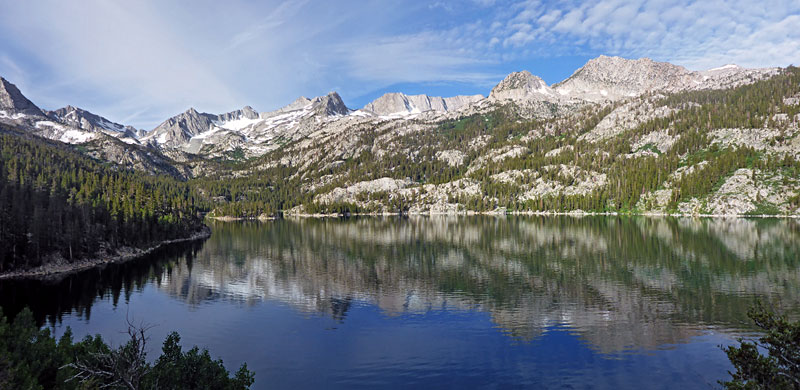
[56,202]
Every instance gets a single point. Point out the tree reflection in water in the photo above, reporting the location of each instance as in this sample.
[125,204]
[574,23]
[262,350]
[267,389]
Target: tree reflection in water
[618,282]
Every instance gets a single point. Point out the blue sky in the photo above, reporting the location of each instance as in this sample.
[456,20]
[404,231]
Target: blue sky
[139,62]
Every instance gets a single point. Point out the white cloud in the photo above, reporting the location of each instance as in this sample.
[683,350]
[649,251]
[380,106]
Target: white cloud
[694,33]
[144,61]
[121,44]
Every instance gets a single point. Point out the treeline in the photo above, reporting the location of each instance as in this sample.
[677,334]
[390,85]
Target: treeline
[56,202]
[32,359]
[267,191]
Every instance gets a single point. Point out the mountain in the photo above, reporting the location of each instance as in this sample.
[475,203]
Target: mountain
[612,78]
[399,104]
[68,124]
[181,128]
[618,135]
[329,105]
[14,105]
[522,86]
[246,112]
[244,129]
[85,120]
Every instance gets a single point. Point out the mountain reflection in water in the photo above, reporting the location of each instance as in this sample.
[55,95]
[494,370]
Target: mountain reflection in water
[619,283]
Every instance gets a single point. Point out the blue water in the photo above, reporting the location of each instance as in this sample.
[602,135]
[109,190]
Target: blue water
[471,303]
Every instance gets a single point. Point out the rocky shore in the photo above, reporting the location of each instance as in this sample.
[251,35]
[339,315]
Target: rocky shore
[60,269]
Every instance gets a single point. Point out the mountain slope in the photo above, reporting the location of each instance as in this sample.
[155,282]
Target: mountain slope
[13,104]
[85,120]
[244,130]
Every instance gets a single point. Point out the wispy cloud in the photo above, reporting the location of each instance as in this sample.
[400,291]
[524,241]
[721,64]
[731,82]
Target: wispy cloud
[696,33]
[124,49]
[283,13]
[143,61]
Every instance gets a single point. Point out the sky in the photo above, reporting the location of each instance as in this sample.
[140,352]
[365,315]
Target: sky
[140,62]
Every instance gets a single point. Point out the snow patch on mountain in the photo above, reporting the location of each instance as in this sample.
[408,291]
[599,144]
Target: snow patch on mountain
[6,115]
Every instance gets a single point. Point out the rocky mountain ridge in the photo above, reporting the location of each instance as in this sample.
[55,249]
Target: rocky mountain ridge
[615,78]
[85,120]
[522,86]
[601,80]
[396,104]
[13,104]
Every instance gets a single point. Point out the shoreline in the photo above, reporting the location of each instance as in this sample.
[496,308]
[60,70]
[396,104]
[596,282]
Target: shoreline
[55,271]
[503,213]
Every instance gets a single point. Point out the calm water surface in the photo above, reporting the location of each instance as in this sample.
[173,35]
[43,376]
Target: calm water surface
[545,302]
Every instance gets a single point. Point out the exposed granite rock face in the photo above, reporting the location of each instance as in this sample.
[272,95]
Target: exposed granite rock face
[558,151]
[400,104]
[729,76]
[132,156]
[737,195]
[552,180]
[349,194]
[522,86]
[180,128]
[759,139]
[626,116]
[246,112]
[659,139]
[792,100]
[297,104]
[453,158]
[612,78]
[747,189]
[329,105]
[85,120]
[14,103]
[435,199]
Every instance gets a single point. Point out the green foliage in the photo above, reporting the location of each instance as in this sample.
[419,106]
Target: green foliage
[30,358]
[55,200]
[779,368]
[194,369]
[765,208]
[267,191]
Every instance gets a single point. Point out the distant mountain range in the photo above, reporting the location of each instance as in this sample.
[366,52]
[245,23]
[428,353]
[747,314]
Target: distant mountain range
[603,79]
[317,137]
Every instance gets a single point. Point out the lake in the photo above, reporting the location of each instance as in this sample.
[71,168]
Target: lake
[464,302]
